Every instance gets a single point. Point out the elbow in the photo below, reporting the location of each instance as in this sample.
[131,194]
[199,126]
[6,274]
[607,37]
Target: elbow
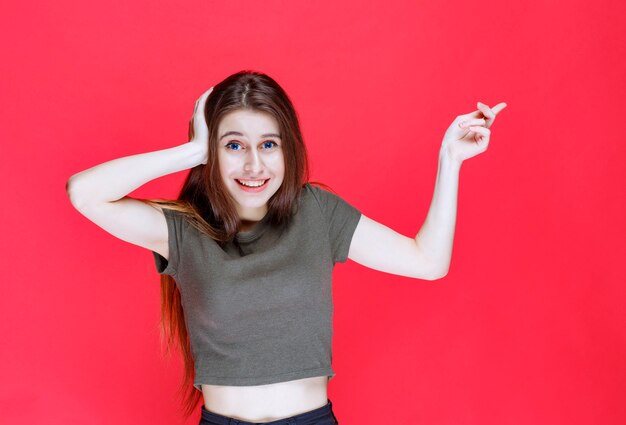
[431,267]
[438,276]
[69,190]
[439,273]
[73,194]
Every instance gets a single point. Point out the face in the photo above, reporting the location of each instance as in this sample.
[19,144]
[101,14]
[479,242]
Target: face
[250,154]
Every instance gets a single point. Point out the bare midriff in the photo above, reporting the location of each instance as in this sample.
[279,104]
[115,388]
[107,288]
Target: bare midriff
[265,403]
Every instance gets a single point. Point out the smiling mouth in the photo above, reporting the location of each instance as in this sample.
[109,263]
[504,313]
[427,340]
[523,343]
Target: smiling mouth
[252,183]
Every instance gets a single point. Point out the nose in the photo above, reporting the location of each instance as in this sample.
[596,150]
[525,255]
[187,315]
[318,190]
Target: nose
[253,162]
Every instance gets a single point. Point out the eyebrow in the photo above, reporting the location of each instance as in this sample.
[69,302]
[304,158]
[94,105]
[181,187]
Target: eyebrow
[236,133]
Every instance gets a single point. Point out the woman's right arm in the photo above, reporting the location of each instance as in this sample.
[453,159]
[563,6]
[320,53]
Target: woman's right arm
[100,193]
[114,179]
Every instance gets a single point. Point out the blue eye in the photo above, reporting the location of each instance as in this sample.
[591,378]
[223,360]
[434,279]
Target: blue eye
[234,144]
[237,147]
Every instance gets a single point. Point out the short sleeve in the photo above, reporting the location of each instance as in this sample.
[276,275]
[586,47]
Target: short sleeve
[175,227]
[342,219]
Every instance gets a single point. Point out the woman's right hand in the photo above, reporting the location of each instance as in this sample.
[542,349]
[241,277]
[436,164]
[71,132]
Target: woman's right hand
[198,130]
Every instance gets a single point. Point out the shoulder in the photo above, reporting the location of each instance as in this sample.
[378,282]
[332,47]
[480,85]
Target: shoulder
[175,215]
[313,194]
[318,191]
[325,195]
[179,220]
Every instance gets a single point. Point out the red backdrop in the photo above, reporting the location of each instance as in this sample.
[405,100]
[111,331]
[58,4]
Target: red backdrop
[529,325]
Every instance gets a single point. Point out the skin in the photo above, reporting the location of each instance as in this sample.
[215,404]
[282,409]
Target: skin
[102,196]
[426,256]
[250,156]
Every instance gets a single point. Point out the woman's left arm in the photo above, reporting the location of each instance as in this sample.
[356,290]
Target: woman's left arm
[428,255]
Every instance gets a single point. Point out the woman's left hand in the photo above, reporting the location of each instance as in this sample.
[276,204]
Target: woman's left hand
[469,134]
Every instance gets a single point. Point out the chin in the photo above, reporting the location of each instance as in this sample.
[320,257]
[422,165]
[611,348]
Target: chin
[253,200]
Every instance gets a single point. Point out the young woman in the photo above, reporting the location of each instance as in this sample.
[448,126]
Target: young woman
[246,251]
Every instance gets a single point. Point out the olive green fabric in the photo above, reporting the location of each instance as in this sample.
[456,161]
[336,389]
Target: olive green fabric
[259,309]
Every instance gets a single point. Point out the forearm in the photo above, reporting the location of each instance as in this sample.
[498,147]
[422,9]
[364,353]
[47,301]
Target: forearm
[115,179]
[436,236]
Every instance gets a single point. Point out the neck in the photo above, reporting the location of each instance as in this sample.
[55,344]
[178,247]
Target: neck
[252,215]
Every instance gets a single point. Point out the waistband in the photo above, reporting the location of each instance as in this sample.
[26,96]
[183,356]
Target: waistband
[302,419]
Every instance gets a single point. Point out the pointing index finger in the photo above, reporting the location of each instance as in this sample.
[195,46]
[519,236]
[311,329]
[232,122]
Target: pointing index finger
[499,107]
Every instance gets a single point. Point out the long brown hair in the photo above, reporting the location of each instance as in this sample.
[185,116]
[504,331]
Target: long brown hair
[209,207]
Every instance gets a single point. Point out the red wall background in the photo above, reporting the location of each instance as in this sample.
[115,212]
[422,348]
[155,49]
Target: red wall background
[528,327]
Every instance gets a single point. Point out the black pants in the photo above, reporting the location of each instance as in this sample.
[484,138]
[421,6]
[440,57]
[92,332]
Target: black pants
[321,416]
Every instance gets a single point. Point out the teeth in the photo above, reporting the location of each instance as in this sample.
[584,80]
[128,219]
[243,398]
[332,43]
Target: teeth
[251,183]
